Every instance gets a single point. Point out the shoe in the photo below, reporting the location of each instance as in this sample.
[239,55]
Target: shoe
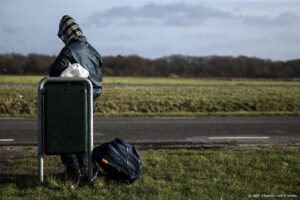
[85,176]
[73,175]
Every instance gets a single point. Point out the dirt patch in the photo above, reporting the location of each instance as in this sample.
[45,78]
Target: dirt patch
[8,153]
[16,152]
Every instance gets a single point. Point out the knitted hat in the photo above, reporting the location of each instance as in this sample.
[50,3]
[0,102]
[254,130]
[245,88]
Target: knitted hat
[68,29]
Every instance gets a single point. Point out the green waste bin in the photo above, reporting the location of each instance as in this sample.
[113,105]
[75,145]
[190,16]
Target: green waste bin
[66,117]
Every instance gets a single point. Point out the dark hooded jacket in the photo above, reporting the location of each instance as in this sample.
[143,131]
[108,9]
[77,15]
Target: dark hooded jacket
[77,50]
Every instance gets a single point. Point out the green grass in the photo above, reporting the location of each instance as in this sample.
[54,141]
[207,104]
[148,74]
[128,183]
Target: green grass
[18,100]
[166,101]
[19,79]
[162,81]
[198,100]
[169,174]
[195,81]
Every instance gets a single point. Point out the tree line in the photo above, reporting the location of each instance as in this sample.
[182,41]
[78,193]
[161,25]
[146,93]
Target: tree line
[174,65]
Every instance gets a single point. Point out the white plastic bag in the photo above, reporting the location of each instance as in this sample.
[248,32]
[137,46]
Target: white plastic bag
[75,70]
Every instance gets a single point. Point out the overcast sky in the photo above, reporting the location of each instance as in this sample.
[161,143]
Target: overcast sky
[262,28]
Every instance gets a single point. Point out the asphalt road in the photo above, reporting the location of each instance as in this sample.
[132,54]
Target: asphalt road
[203,130]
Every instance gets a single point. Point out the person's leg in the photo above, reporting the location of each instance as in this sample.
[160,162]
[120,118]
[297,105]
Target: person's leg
[83,164]
[71,164]
[82,161]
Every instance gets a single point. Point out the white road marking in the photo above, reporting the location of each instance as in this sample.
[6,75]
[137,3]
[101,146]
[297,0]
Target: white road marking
[239,138]
[7,140]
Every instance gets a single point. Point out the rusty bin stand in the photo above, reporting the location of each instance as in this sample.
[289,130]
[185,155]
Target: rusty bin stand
[65,119]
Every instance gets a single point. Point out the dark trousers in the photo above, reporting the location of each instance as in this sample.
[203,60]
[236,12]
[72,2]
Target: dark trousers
[74,162]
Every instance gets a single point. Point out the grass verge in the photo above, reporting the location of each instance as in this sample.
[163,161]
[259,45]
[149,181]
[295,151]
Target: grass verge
[166,101]
[163,81]
[169,174]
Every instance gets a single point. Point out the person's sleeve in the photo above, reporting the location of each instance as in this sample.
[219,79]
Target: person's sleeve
[61,62]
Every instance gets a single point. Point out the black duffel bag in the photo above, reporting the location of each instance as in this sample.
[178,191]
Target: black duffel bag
[119,160]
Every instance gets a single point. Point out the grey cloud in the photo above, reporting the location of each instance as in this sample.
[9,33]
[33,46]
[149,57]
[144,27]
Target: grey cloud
[287,18]
[282,19]
[137,22]
[209,35]
[128,37]
[8,29]
[156,14]
[194,15]
[180,14]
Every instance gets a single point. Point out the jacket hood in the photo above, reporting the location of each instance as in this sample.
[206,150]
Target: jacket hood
[69,30]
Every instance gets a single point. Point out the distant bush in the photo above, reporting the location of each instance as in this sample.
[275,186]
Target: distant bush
[169,66]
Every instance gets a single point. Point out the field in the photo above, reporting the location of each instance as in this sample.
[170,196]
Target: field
[169,174]
[135,101]
[165,81]
[162,100]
